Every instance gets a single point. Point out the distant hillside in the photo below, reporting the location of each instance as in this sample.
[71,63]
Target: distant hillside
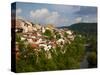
[84,28]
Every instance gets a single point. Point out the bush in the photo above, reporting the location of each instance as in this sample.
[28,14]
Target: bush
[47,33]
[92,59]
[69,60]
[18,39]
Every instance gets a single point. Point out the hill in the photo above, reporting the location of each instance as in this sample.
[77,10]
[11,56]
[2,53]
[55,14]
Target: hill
[84,28]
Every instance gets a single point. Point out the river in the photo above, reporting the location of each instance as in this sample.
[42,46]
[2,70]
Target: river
[84,63]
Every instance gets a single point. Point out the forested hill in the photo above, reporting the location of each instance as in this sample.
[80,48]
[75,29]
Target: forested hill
[90,32]
[84,28]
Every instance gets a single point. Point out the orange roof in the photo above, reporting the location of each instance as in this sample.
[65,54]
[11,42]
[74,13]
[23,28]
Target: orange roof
[34,45]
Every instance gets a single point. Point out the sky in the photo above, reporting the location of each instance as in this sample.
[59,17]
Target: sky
[58,15]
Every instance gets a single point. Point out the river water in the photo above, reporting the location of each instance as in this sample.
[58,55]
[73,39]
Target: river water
[84,63]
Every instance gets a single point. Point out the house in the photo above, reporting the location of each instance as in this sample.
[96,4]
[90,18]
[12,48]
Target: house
[33,36]
[38,41]
[69,32]
[29,40]
[43,30]
[28,23]
[19,25]
[38,34]
[34,29]
[30,28]
[60,41]
[25,29]
[71,37]
[35,46]
[37,26]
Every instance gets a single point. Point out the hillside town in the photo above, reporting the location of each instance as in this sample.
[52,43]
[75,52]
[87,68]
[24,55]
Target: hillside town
[42,37]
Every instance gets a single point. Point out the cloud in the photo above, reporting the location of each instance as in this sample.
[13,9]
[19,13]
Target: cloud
[56,13]
[90,18]
[18,11]
[78,19]
[44,16]
[39,13]
[87,11]
[69,9]
[87,14]
[53,17]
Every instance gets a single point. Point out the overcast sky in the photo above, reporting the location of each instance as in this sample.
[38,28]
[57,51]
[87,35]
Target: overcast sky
[59,15]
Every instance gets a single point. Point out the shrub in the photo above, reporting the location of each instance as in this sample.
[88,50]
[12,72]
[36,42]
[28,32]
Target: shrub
[47,33]
[92,59]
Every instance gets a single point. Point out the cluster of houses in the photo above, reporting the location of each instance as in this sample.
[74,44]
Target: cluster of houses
[33,34]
